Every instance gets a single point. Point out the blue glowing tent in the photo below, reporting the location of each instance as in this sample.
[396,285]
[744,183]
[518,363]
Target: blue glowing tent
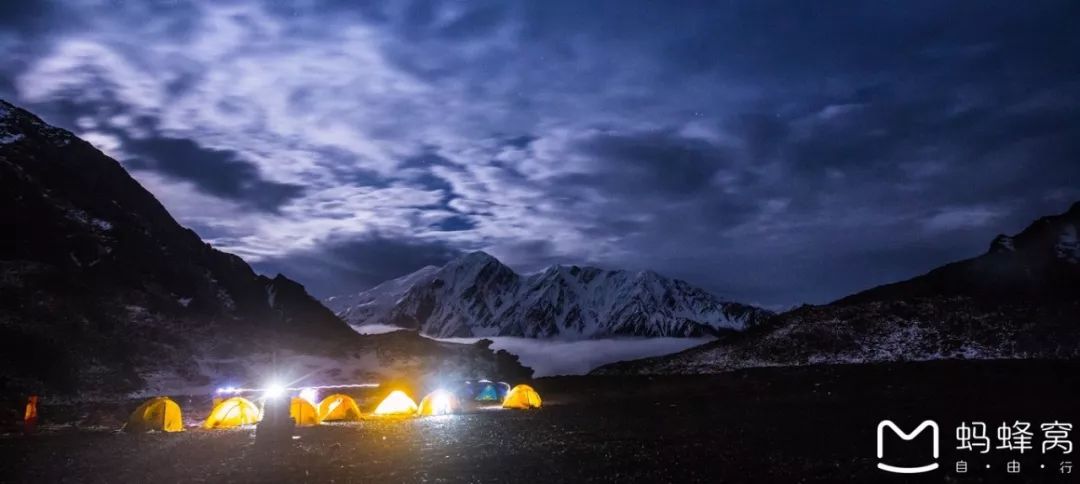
[488,394]
[489,391]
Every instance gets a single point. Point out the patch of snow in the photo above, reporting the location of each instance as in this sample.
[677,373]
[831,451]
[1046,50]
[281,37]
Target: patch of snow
[222,295]
[1068,245]
[101,224]
[184,301]
[1006,243]
[78,215]
[8,138]
[271,295]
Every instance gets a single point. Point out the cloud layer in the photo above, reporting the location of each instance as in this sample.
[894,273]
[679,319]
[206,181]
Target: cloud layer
[774,152]
[553,357]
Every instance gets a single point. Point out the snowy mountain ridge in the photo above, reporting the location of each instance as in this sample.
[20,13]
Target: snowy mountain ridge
[379,300]
[477,295]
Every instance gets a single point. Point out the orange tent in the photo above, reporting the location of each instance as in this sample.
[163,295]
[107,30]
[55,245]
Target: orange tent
[303,412]
[396,403]
[338,407]
[161,414]
[438,402]
[522,397]
[233,412]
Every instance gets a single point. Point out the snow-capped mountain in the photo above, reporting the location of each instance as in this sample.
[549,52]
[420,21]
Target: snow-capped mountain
[101,290]
[476,295]
[1021,299]
[377,302]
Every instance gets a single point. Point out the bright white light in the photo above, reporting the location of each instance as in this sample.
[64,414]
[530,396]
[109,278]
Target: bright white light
[310,394]
[274,390]
[440,403]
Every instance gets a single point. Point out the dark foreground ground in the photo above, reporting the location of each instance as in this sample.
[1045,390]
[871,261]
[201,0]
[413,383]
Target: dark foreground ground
[768,425]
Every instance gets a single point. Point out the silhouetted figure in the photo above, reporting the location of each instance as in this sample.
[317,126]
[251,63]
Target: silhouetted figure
[30,417]
[276,425]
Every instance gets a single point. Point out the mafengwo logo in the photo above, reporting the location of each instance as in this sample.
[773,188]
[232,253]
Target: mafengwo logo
[931,456]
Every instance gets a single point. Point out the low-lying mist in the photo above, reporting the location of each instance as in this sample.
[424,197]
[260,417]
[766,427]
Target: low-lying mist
[377,328]
[549,358]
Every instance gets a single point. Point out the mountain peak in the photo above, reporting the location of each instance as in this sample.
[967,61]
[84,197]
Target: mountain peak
[649,275]
[477,257]
[476,264]
[18,124]
[476,295]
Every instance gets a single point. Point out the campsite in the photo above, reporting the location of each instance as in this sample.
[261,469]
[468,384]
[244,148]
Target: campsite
[231,410]
[548,241]
[782,424]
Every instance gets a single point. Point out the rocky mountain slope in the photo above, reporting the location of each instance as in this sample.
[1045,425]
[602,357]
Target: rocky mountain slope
[102,290]
[476,295]
[1040,264]
[1021,299]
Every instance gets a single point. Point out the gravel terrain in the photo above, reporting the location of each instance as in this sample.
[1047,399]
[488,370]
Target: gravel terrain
[766,425]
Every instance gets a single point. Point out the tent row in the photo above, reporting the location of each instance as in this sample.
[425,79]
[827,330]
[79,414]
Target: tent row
[164,414]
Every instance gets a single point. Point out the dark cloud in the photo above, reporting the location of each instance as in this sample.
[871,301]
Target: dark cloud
[455,223]
[221,173]
[30,18]
[655,161]
[217,172]
[479,21]
[520,142]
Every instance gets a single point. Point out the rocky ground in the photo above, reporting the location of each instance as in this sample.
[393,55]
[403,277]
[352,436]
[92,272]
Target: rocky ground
[766,425]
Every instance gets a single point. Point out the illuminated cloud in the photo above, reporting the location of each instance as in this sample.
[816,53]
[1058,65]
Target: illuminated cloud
[774,152]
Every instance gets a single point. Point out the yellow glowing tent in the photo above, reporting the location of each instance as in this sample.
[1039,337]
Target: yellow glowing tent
[160,413]
[522,396]
[303,412]
[232,412]
[338,407]
[438,402]
[397,403]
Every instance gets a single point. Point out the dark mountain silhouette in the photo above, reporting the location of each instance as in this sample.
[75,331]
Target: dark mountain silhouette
[1021,299]
[1038,264]
[103,289]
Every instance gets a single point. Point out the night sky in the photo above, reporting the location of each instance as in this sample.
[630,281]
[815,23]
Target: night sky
[772,152]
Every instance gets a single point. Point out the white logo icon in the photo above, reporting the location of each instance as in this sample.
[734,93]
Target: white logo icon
[906,436]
